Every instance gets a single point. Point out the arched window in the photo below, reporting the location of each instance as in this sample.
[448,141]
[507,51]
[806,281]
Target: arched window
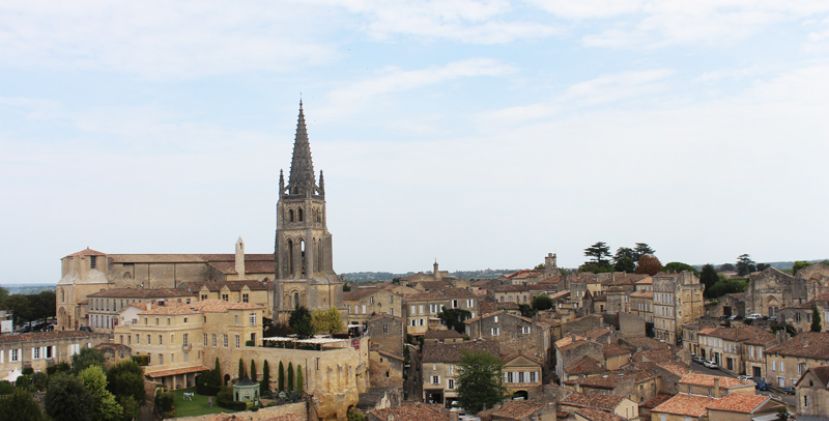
[296,300]
[290,267]
[302,254]
[290,215]
[300,214]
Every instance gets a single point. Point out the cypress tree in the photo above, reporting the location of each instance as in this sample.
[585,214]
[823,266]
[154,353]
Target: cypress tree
[217,374]
[242,374]
[290,377]
[253,370]
[815,319]
[281,377]
[265,386]
[299,380]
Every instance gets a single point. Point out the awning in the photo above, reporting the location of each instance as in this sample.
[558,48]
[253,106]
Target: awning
[176,371]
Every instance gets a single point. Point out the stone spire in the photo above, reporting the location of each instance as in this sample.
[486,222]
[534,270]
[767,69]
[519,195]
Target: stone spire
[301,179]
[322,185]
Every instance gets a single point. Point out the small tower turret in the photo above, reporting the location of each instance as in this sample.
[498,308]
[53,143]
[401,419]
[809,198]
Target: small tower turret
[240,258]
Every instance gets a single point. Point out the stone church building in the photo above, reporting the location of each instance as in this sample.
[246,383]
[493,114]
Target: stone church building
[299,272]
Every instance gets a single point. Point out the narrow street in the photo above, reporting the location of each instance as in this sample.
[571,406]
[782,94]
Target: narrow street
[777,395]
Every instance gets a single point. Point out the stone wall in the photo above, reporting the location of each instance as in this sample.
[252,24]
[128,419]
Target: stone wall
[289,412]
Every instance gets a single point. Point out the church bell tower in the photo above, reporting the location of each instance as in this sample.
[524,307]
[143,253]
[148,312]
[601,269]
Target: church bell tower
[304,270]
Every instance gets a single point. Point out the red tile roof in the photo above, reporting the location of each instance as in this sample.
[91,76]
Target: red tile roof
[603,402]
[814,345]
[739,402]
[707,380]
[686,405]
[412,411]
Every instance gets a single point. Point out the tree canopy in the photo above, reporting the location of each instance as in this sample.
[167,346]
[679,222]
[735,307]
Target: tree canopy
[86,358]
[454,318]
[598,252]
[676,267]
[624,260]
[648,264]
[708,277]
[68,400]
[328,321]
[300,322]
[815,327]
[542,302]
[642,249]
[20,406]
[105,407]
[745,265]
[126,379]
[479,381]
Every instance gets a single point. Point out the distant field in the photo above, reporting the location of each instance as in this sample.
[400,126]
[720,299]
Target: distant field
[27,288]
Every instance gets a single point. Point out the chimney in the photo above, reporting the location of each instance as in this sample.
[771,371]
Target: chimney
[717,386]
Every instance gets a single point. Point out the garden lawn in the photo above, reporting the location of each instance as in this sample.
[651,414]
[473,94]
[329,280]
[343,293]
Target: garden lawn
[198,406]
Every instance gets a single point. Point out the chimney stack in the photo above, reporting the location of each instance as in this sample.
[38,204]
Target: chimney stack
[717,386]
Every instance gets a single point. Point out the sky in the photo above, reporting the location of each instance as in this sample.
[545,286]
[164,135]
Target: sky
[483,134]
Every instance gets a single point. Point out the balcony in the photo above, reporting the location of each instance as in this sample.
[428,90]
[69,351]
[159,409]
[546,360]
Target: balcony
[186,347]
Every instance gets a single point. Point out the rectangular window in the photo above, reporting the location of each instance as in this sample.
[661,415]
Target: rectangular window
[801,368]
[451,383]
[252,319]
[204,337]
[435,379]
[149,339]
[238,342]
[534,377]
[495,331]
[35,353]
[161,358]
[225,297]
[160,340]
[421,322]
[214,340]
[510,377]
[185,339]
[520,377]
[245,298]
[413,309]
[224,340]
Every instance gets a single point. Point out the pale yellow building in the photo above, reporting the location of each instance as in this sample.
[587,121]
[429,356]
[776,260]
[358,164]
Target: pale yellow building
[40,350]
[813,392]
[786,362]
[677,300]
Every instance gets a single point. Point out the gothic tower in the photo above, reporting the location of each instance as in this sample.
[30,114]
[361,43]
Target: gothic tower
[304,271]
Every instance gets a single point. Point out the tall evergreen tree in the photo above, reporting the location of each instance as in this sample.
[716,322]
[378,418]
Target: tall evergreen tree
[598,252]
[20,406]
[708,276]
[815,319]
[300,383]
[242,373]
[623,260]
[745,265]
[280,377]
[68,400]
[265,386]
[290,377]
[642,249]
[253,375]
[301,323]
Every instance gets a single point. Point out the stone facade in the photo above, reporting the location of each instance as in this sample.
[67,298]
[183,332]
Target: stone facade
[786,362]
[677,300]
[105,306]
[440,367]
[771,290]
[812,392]
[738,350]
[523,377]
[304,248]
[386,352]
[514,334]
[40,350]
[421,308]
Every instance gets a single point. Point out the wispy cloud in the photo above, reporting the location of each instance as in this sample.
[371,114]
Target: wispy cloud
[468,21]
[351,97]
[159,39]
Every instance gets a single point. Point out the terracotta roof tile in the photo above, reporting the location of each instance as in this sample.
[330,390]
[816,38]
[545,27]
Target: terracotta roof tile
[707,380]
[604,402]
[686,405]
[413,411]
[141,293]
[86,252]
[515,410]
[584,365]
[739,402]
[597,415]
[813,345]
[439,352]
[50,336]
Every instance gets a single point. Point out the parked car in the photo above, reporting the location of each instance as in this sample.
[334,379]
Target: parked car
[711,364]
[761,384]
[788,390]
[698,359]
[754,316]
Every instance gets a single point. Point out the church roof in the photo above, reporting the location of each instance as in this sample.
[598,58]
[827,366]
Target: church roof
[86,252]
[301,179]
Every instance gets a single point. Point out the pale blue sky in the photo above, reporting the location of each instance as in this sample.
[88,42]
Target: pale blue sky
[483,133]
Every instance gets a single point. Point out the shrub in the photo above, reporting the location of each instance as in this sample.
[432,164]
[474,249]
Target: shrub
[205,386]
[225,399]
[28,371]
[164,403]
[24,382]
[142,360]
[40,380]
[6,387]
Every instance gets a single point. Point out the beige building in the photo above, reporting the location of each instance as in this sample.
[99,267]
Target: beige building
[713,386]
[40,350]
[363,302]
[104,306]
[786,362]
[739,350]
[421,308]
[522,377]
[737,407]
[677,300]
[386,355]
[813,392]
[641,300]
[617,405]
[439,367]
[514,334]
[240,291]
[518,410]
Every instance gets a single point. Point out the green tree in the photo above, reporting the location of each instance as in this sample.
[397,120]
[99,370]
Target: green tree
[242,373]
[217,374]
[86,358]
[327,321]
[598,252]
[479,382]
[454,318]
[815,319]
[165,403]
[253,375]
[300,382]
[280,377]
[106,408]
[20,406]
[799,264]
[624,260]
[126,379]
[40,380]
[595,267]
[6,388]
[745,265]
[300,322]
[648,264]
[642,249]
[542,302]
[708,277]
[290,376]
[526,310]
[131,407]
[265,386]
[68,400]
[677,267]
[4,294]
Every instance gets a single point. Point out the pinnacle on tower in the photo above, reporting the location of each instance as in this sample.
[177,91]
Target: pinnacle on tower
[301,180]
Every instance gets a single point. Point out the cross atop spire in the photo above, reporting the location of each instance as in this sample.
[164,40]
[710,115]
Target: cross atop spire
[301,180]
